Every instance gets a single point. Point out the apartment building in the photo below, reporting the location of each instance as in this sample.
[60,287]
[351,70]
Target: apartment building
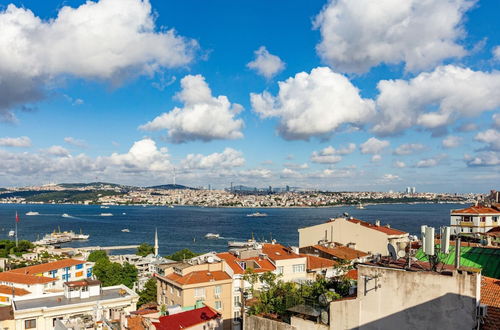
[290,265]
[204,280]
[354,233]
[474,219]
[82,305]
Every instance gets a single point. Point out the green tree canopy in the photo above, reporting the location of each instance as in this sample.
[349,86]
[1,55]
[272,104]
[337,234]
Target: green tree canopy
[182,254]
[112,273]
[144,249]
[94,256]
[149,293]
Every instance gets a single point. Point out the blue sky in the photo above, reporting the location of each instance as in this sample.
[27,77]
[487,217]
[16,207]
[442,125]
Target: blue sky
[337,95]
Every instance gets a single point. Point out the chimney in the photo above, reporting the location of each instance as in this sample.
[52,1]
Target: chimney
[457,252]
[377,223]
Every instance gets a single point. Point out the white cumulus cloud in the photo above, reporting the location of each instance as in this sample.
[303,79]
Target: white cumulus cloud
[266,64]
[436,99]
[486,158]
[490,137]
[109,40]
[314,104]
[451,141]
[408,148]
[399,164]
[57,151]
[359,34]
[203,117]
[330,155]
[496,53]
[22,141]
[373,146]
[75,142]
[226,159]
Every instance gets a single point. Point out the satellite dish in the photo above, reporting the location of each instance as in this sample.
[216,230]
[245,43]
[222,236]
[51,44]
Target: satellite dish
[401,253]
[325,317]
[346,214]
[392,252]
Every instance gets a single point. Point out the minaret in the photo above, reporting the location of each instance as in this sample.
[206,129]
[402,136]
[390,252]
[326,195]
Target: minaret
[156,242]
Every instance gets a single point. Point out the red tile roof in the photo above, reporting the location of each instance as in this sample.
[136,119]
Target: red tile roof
[24,279]
[5,289]
[278,252]
[43,268]
[314,262]
[490,293]
[352,274]
[341,252]
[186,319]
[383,229]
[476,210]
[201,276]
[264,264]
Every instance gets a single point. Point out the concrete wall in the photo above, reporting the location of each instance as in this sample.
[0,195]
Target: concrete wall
[255,322]
[302,324]
[288,274]
[342,231]
[395,299]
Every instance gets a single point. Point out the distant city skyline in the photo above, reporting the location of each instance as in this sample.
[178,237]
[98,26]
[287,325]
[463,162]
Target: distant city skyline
[345,95]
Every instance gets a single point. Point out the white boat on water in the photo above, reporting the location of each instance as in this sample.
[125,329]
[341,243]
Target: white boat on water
[106,214]
[360,206]
[65,215]
[257,214]
[125,230]
[32,213]
[12,233]
[104,207]
[241,244]
[212,236]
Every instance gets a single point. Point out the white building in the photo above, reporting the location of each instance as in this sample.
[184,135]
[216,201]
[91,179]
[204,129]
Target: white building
[80,306]
[474,219]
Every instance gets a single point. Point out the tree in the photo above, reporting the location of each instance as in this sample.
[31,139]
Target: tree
[144,249]
[94,256]
[112,273]
[149,293]
[182,254]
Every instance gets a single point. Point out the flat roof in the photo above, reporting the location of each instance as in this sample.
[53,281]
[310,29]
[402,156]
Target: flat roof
[61,300]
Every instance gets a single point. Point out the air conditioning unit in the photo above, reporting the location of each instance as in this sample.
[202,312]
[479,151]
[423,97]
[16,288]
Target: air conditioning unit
[482,310]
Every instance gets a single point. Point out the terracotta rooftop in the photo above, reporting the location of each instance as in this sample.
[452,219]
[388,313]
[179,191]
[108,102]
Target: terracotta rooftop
[201,276]
[314,262]
[5,289]
[490,293]
[476,210]
[383,229]
[186,319]
[352,274]
[341,252]
[278,252]
[43,268]
[264,264]
[12,277]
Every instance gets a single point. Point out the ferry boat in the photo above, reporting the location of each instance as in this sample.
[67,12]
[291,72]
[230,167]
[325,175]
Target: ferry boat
[65,215]
[104,207]
[242,244]
[212,236]
[61,237]
[360,206]
[32,213]
[106,214]
[257,214]
[125,230]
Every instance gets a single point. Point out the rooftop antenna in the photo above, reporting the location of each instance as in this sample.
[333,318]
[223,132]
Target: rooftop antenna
[392,252]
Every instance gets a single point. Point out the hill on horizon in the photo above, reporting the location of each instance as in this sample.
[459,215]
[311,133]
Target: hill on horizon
[171,187]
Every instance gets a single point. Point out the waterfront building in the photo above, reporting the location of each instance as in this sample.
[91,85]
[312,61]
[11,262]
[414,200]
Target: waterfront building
[82,305]
[354,233]
[474,219]
[390,296]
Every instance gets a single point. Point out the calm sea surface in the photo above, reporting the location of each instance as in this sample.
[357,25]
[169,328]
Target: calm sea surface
[185,227]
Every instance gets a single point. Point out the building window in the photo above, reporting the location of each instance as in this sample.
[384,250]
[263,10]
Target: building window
[30,324]
[299,268]
[236,300]
[199,292]
[218,305]
[65,277]
[494,219]
[218,290]
[280,269]
[171,289]
[467,218]
[236,315]
[483,219]
[80,266]
[179,292]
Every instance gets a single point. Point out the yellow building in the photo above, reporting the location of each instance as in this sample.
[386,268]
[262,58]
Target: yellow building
[191,285]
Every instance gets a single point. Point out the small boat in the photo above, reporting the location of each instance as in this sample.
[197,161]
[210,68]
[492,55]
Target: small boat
[241,244]
[124,213]
[171,206]
[257,214]
[104,207]
[12,233]
[125,230]
[106,214]
[32,213]
[360,206]
[65,215]
[212,236]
